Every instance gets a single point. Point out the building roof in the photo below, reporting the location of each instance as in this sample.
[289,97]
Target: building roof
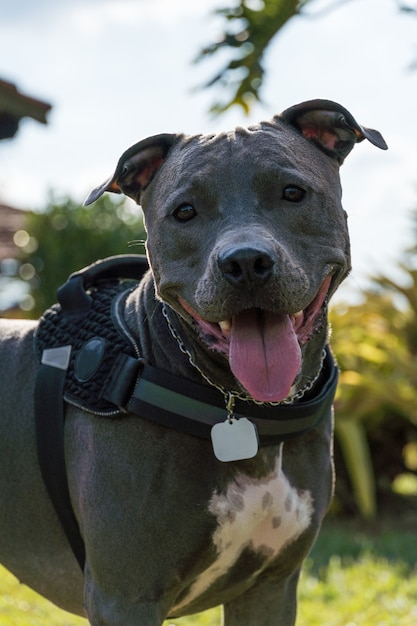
[14,106]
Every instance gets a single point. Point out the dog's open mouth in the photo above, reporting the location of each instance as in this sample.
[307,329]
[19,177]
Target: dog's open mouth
[264,348]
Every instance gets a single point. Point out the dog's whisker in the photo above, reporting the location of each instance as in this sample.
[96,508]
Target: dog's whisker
[136,242]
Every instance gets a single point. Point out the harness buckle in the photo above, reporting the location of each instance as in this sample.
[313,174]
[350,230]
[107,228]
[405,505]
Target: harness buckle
[122,379]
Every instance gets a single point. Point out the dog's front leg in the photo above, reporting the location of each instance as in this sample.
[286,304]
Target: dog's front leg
[270,602]
[112,608]
[144,521]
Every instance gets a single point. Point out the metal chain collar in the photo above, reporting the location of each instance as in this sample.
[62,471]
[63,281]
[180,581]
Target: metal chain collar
[229,396]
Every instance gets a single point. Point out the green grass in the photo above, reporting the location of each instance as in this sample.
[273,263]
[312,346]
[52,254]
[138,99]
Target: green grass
[356,578]
[353,578]
[20,606]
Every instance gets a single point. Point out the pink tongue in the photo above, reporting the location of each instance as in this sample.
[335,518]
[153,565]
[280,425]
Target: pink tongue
[264,354]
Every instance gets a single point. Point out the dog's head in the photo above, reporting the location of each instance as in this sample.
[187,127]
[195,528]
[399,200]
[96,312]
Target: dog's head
[247,238]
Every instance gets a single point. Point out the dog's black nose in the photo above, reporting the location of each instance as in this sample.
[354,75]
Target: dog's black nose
[246,266]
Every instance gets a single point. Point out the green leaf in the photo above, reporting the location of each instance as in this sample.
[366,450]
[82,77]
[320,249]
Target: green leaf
[352,438]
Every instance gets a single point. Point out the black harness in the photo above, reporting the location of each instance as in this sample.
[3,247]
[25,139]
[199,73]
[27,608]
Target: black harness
[90,359]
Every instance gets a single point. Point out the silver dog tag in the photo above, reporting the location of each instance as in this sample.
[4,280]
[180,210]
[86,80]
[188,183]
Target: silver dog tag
[234,439]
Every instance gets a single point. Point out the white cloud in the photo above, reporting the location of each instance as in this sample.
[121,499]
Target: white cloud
[92,19]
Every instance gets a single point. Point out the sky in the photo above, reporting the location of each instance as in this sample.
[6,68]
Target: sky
[117,71]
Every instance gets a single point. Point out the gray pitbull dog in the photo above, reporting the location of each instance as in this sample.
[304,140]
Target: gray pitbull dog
[247,241]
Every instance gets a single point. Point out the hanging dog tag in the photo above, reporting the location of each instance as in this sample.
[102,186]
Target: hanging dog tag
[234,439]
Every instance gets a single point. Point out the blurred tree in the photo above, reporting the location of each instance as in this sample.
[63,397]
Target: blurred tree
[250,27]
[67,237]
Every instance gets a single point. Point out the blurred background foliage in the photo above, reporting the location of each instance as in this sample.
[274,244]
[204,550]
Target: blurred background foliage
[66,237]
[375,342]
[249,28]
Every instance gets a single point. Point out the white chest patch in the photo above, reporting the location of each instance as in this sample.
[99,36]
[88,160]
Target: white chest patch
[264,515]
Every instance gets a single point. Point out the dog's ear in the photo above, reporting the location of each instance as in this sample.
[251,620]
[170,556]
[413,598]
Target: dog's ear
[136,167]
[330,127]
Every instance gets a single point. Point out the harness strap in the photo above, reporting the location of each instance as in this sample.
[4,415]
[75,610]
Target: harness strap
[73,296]
[49,393]
[49,411]
[194,409]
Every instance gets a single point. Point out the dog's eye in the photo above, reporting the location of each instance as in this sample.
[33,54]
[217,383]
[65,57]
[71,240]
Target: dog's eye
[292,193]
[184,213]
